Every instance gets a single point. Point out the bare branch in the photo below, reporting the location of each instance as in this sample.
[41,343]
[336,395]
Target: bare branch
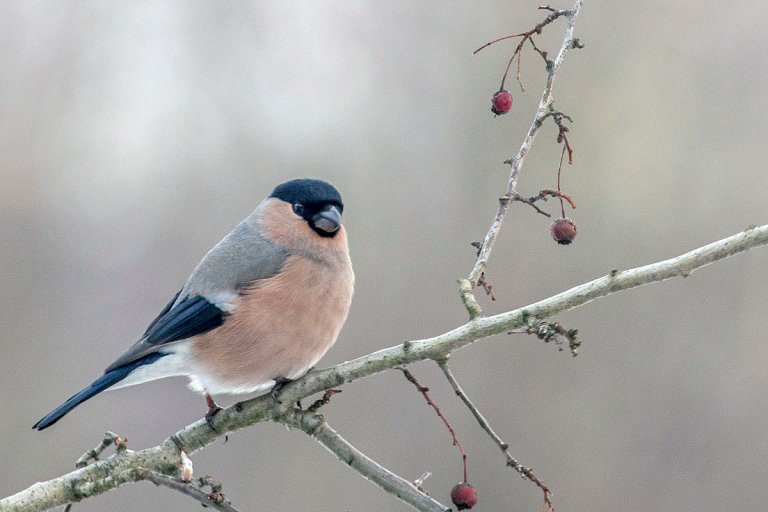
[97,478]
[214,499]
[504,447]
[424,390]
[438,347]
[316,426]
[121,468]
[516,163]
[526,36]
[325,400]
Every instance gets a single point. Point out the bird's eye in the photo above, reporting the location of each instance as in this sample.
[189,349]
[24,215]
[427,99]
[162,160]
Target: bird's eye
[298,209]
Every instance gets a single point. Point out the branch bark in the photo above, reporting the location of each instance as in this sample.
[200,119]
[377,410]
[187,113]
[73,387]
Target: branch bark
[185,488]
[316,426]
[165,458]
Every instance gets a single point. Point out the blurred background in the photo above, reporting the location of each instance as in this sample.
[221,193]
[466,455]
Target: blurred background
[133,136]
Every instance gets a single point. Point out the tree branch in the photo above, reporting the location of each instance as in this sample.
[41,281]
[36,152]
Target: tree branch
[516,163]
[504,447]
[97,478]
[214,500]
[120,468]
[315,425]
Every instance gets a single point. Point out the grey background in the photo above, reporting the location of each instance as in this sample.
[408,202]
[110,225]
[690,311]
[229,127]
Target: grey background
[133,136]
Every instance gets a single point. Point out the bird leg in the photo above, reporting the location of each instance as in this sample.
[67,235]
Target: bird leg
[213,409]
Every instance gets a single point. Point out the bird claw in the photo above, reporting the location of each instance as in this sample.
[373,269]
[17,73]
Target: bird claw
[213,410]
[280,383]
[209,417]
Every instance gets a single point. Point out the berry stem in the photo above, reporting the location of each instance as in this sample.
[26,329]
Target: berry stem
[425,392]
[525,37]
[486,45]
[559,169]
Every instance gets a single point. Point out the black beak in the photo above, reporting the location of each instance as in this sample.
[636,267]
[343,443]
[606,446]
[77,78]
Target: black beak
[328,220]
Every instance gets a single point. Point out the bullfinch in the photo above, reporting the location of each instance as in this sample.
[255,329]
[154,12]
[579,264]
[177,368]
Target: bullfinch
[261,308]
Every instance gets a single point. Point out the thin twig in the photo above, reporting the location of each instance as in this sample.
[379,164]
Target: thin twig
[516,163]
[489,43]
[214,499]
[425,393]
[531,201]
[504,447]
[325,400]
[525,37]
[315,425]
[544,55]
[542,196]
[511,461]
[108,440]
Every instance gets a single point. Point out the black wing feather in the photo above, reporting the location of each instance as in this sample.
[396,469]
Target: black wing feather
[193,315]
[160,315]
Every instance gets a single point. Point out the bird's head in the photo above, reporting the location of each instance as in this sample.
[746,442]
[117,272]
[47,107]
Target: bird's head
[316,201]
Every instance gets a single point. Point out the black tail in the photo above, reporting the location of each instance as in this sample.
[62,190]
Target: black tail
[107,380]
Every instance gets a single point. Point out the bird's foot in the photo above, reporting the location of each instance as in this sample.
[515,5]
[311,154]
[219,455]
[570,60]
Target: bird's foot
[213,410]
[280,383]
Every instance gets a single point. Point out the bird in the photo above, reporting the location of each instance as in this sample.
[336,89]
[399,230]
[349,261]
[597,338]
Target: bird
[260,309]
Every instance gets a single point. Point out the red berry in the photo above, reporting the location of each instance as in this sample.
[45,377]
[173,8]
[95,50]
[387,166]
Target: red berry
[563,230]
[464,496]
[501,102]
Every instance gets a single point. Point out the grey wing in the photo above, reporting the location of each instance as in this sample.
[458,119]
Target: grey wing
[240,259]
